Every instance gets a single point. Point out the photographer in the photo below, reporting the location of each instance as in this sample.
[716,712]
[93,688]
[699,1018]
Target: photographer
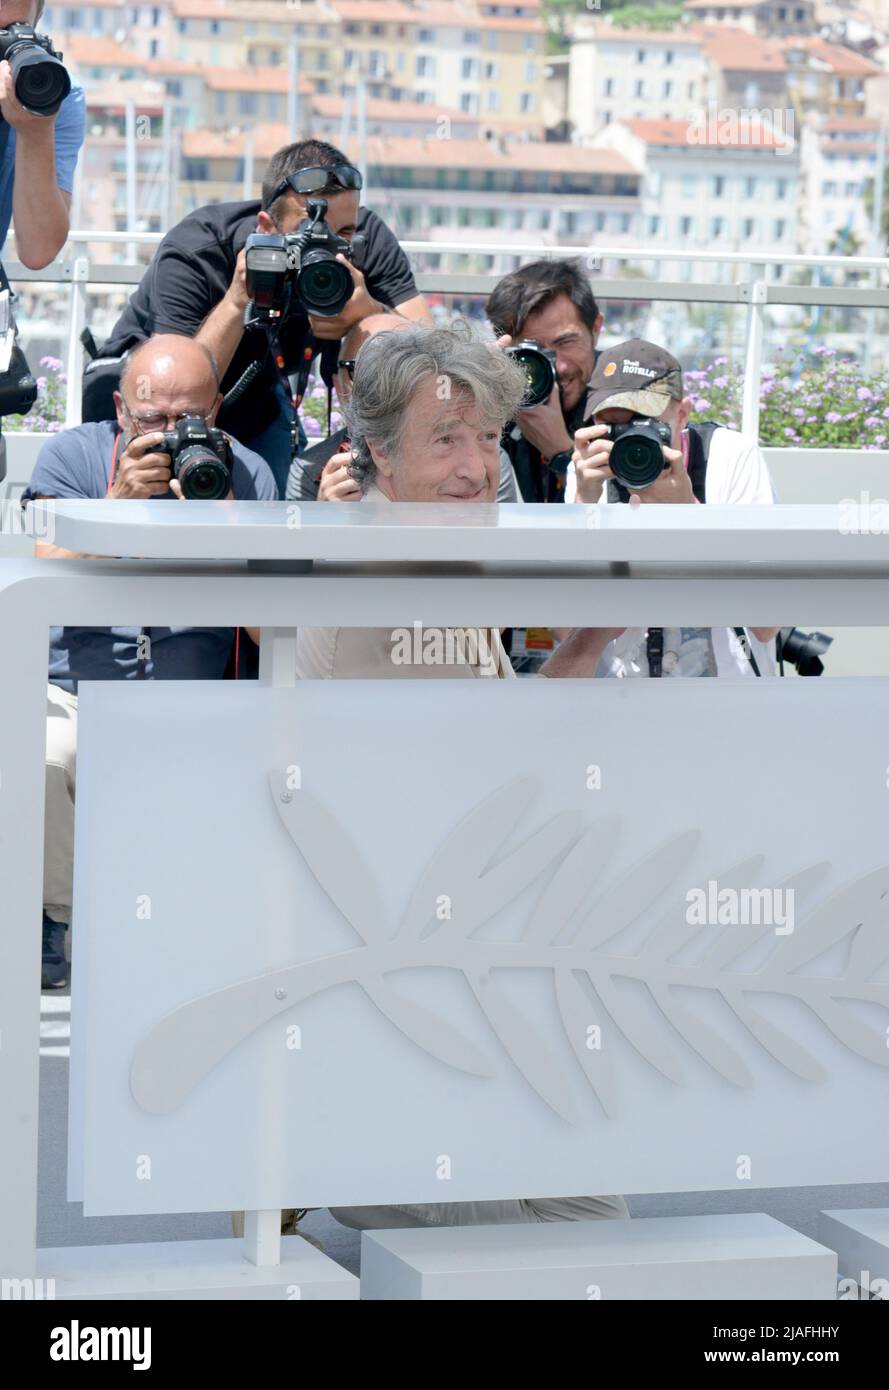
[38,156]
[165,380]
[636,383]
[196,284]
[552,304]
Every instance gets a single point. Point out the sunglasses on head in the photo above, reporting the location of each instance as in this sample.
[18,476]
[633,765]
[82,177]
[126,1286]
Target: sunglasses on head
[317,178]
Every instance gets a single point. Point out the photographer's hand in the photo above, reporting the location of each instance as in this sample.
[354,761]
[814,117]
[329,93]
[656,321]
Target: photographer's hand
[544,426]
[360,306]
[12,110]
[592,449]
[674,484]
[336,483]
[142,471]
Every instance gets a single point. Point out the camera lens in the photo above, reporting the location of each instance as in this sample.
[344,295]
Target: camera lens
[202,476]
[325,286]
[539,375]
[636,461]
[41,83]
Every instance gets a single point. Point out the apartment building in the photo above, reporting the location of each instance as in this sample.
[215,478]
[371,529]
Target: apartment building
[839,159]
[719,191]
[763,17]
[828,79]
[615,73]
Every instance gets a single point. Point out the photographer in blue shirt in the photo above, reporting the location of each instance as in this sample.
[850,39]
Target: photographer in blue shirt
[38,156]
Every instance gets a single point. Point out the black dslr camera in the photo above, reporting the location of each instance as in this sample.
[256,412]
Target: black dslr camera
[201,459]
[637,459]
[41,83]
[539,366]
[18,389]
[288,270]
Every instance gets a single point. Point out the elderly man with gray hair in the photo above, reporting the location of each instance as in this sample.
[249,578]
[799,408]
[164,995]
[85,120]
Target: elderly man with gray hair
[427,411]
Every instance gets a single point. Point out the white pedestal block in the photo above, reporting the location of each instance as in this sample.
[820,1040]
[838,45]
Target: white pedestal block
[860,1238]
[192,1269]
[746,1257]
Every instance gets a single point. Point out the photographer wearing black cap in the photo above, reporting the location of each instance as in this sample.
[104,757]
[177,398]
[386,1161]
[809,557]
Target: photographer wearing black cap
[549,307]
[196,284]
[641,449]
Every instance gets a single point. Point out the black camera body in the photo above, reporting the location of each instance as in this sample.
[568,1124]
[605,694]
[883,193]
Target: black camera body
[200,458]
[539,366]
[299,270]
[637,458]
[18,389]
[41,82]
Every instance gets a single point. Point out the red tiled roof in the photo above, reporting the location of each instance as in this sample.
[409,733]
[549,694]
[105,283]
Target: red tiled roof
[732,48]
[681,133]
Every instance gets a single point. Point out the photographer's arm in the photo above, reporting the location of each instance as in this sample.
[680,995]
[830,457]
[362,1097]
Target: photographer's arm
[40,210]
[223,329]
[580,652]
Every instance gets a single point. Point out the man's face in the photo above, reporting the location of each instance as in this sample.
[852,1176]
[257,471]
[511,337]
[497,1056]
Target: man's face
[157,398]
[17,12]
[447,453]
[676,416]
[559,327]
[342,214]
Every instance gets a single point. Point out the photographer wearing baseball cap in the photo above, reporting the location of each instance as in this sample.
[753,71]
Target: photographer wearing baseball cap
[638,447]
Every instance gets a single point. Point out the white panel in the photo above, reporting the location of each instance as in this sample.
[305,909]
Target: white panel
[192,1005]
[740,1258]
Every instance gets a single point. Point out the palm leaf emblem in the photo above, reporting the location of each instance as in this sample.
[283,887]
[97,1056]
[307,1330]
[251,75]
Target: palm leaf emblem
[189,1042]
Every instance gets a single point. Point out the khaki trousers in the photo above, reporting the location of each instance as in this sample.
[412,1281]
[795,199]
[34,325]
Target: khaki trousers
[58,844]
[483,1213]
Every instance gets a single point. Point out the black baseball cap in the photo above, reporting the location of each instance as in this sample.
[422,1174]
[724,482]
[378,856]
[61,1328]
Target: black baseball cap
[637,376]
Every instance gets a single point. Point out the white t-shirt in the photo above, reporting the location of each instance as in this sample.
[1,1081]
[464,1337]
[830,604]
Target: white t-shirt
[736,473]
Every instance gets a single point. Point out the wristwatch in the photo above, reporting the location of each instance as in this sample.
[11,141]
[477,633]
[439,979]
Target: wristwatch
[560,461]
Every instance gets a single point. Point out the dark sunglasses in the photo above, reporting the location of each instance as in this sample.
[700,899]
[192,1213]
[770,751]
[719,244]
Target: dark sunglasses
[347,364]
[317,178]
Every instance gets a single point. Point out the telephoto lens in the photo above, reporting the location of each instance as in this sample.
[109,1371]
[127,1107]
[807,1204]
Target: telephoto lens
[637,458]
[539,366]
[41,83]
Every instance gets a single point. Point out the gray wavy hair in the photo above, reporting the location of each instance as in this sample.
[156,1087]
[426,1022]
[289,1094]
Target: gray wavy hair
[391,366]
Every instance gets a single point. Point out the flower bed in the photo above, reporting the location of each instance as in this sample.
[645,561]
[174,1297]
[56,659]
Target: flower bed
[831,406]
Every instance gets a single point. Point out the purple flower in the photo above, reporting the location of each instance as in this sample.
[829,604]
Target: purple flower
[789,433]
[864,394]
[879,438]
[311,426]
[720,381]
[702,405]
[55,364]
[832,417]
[872,421]
[825,352]
[799,412]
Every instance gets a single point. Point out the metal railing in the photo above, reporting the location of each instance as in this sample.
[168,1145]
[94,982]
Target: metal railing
[755,291]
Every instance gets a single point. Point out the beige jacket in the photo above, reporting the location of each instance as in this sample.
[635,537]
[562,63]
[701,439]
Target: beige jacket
[411,652]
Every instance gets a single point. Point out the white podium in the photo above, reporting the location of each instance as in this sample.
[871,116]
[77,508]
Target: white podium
[280,566]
